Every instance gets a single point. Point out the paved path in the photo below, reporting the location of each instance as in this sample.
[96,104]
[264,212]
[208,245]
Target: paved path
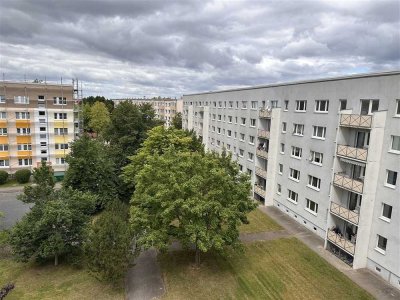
[144,280]
[366,279]
[12,208]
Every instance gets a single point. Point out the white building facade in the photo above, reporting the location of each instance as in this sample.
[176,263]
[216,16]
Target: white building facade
[326,152]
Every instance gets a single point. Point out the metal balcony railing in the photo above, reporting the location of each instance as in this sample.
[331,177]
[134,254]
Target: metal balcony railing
[344,213]
[341,242]
[262,153]
[263,133]
[348,183]
[359,121]
[351,152]
[261,172]
[265,113]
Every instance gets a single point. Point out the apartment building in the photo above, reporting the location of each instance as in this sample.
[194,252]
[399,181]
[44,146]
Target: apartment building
[38,121]
[165,108]
[326,152]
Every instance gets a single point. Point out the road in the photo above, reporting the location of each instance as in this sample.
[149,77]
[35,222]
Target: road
[11,207]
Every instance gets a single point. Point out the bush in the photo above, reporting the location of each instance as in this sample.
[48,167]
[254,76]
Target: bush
[3,177]
[22,176]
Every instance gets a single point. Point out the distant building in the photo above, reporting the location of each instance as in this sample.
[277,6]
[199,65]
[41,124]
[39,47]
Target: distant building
[37,123]
[165,108]
[326,152]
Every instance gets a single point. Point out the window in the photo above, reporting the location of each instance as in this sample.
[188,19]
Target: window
[274,103]
[59,100]
[319,132]
[283,127]
[60,160]
[294,174]
[316,158]
[282,148]
[395,145]
[254,104]
[244,104]
[240,168]
[381,245]
[242,136]
[41,98]
[292,196]
[314,182]
[386,212]
[21,100]
[213,116]
[369,106]
[4,162]
[43,144]
[220,104]
[280,170]
[22,115]
[343,104]
[219,130]
[23,131]
[241,152]
[3,131]
[3,147]
[397,107]
[2,99]
[229,119]
[60,131]
[235,134]
[296,152]
[218,143]
[243,121]
[298,129]
[61,146]
[219,117]
[391,178]
[250,172]
[251,139]
[25,162]
[253,122]
[278,189]
[236,119]
[3,115]
[286,107]
[42,129]
[60,116]
[24,147]
[230,104]
[312,207]
[213,128]
[301,105]
[321,105]
[229,133]
[251,156]
[228,146]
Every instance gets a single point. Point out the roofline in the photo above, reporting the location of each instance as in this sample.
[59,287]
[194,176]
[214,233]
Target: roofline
[356,76]
[3,82]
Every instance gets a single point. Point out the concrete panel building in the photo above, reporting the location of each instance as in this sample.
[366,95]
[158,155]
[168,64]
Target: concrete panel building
[37,123]
[326,152]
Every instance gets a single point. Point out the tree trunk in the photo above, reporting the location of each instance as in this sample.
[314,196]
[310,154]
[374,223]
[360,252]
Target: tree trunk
[56,260]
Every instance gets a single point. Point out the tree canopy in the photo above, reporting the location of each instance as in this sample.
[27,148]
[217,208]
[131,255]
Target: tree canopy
[177,121]
[99,117]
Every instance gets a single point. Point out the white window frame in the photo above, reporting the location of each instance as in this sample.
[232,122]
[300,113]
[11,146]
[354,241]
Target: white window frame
[296,197]
[25,162]
[397,111]
[278,189]
[23,131]
[3,131]
[379,249]
[280,169]
[301,106]
[293,172]
[4,147]
[313,156]
[311,183]
[22,115]
[242,137]
[24,147]
[298,129]
[243,121]
[286,105]
[251,156]
[2,99]
[229,133]
[319,103]
[4,163]
[308,207]
[60,161]
[241,152]
[316,130]
[3,115]
[253,122]
[59,100]
[396,151]
[393,186]
[295,151]
[384,218]
[252,139]
[284,127]
[21,100]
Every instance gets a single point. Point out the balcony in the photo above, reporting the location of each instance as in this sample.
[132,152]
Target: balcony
[344,213]
[261,172]
[262,153]
[346,182]
[259,190]
[353,153]
[265,113]
[341,242]
[357,121]
[261,133]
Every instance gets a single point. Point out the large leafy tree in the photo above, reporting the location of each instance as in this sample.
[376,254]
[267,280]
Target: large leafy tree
[99,117]
[93,99]
[177,121]
[198,199]
[91,169]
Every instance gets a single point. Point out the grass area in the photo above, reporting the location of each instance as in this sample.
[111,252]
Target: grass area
[259,222]
[13,183]
[278,269]
[49,282]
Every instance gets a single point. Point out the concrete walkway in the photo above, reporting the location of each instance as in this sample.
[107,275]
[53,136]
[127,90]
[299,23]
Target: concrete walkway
[144,279]
[366,279]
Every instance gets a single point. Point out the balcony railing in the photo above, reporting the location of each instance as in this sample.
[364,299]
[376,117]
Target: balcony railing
[261,172]
[259,190]
[265,113]
[263,133]
[344,181]
[341,242]
[359,121]
[351,152]
[262,153]
[344,213]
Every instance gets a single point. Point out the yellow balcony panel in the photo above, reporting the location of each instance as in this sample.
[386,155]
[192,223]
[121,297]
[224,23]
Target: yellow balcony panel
[22,123]
[3,139]
[26,153]
[61,153]
[59,139]
[61,124]
[4,155]
[24,139]
[3,123]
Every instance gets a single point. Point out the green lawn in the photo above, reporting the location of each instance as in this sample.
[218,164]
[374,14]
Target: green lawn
[12,183]
[259,222]
[49,282]
[279,269]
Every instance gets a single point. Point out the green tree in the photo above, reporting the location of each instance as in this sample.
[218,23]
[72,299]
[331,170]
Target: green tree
[86,117]
[198,199]
[109,248]
[93,99]
[177,121]
[91,169]
[99,117]
[42,187]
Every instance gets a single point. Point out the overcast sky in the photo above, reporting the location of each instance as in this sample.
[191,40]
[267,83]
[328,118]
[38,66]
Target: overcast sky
[127,48]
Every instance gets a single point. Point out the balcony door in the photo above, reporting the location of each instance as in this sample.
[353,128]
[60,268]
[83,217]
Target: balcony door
[362,139]
[354,201]
[358,172]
